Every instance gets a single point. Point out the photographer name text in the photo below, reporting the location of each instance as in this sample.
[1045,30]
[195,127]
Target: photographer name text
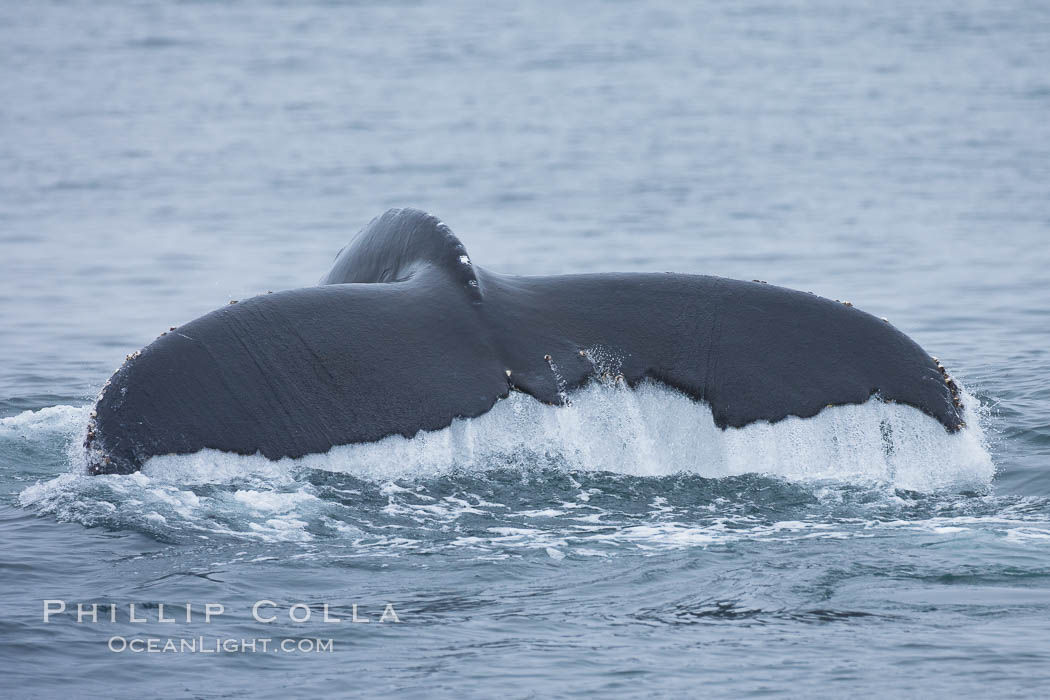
[263,611]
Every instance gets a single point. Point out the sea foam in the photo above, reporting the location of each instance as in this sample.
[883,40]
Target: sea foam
[378,489]
[653,430]
[650,430]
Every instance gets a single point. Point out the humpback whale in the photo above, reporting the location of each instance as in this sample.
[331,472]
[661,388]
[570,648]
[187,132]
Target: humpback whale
[406,333]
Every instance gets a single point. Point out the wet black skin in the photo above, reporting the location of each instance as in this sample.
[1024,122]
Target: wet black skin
[405,333]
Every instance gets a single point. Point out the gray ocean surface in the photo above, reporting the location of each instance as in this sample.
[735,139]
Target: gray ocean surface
[162,158]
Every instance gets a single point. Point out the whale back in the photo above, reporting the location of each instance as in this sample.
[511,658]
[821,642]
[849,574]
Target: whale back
[396,246]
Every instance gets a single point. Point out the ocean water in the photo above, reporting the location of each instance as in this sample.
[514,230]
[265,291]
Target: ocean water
[162,158]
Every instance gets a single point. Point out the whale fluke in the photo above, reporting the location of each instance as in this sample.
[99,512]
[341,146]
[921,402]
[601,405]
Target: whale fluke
[406,333]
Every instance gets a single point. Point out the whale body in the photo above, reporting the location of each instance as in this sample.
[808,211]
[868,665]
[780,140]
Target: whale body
[405,333]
